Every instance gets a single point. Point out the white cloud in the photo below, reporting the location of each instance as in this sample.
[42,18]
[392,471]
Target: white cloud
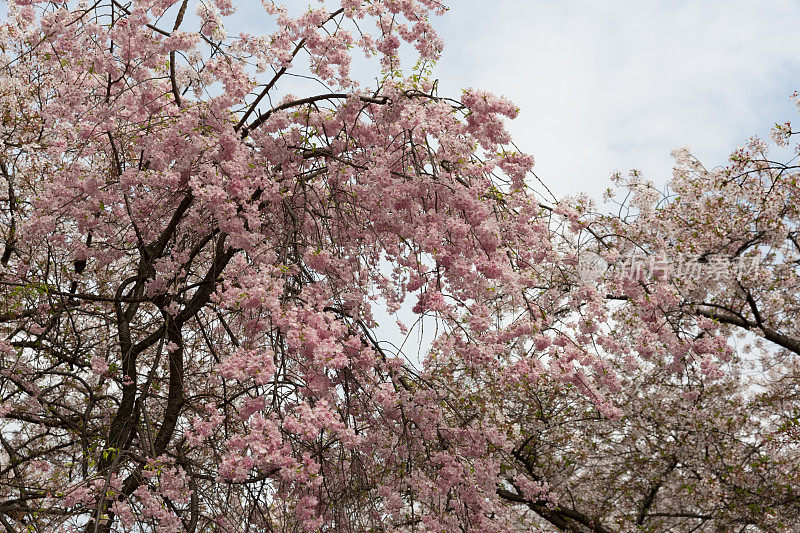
[614,85]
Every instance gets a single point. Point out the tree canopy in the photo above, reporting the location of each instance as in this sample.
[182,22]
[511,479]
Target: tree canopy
[194,257]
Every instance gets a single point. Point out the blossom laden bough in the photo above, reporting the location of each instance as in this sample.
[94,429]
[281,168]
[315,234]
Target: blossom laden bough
[191,258]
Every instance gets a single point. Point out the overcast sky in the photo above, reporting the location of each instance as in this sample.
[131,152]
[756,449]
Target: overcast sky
[617,84]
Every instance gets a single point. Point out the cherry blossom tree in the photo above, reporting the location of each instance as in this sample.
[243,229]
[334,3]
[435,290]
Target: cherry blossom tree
[199,230]
[686,453]
[192,255]
[700,282]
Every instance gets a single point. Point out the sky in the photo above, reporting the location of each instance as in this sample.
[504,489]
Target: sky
[614,85]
